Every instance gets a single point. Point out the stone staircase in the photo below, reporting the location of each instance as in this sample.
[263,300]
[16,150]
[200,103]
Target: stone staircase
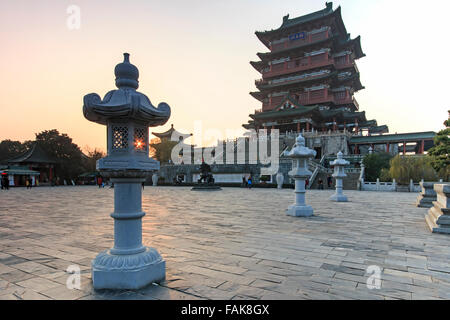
[438,216]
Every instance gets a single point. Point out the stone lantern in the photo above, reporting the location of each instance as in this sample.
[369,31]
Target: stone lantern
[338,174]
[127,115]
[300,156]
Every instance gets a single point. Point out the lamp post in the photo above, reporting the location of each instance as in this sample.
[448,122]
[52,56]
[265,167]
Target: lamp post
[300,156]
[338,174]
[127,115]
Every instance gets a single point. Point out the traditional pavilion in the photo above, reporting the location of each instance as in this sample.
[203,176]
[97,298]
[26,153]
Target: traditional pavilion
[309,77]
[34,160]
[167,135]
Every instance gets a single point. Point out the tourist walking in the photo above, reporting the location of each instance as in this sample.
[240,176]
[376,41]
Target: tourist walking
[244,182]
[249,182]
[320,184]
[30,183]
[99,181]
[5,182]
[143,185]
[330,182]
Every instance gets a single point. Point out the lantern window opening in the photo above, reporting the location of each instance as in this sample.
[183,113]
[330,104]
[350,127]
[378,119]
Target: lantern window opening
[140,139]
[119,137]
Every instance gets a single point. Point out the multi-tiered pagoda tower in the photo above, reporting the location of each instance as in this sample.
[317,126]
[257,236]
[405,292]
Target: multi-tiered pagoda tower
[309,77]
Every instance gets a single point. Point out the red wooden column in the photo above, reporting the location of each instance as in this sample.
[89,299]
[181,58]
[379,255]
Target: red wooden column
[422,146]
[404,148]
[387,147]
[334,124]
[298,126]
[307,126]
[356,126]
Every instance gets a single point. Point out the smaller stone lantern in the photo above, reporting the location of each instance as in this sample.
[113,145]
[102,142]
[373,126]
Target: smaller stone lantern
[300,156]
[127,115]
[339,174]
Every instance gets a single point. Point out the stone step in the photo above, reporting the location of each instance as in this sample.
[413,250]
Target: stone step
[439,206]
[424,202]
[430,222]
[435,228]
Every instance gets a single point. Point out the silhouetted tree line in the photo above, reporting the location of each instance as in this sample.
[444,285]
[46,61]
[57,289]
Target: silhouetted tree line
[71,161]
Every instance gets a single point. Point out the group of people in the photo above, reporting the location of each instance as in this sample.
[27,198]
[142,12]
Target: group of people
[329,183]
[247,183]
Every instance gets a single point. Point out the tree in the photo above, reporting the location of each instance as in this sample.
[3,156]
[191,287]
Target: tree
[374,163]
[439,153]
[90,162]
[162,150]
[60,147]
[404,168]
[10,149]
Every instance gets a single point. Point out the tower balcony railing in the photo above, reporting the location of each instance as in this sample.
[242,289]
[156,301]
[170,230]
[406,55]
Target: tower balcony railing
[343,62]
[288,80]
[297,65]
[309,38]
[316,97]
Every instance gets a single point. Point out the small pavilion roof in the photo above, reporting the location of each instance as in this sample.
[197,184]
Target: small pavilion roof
[16,170]
[35,155]
[168,134]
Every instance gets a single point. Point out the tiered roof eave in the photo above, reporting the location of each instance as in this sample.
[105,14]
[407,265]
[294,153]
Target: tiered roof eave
[295,22]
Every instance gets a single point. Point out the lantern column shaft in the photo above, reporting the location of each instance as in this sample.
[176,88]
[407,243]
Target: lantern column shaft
[300,192]
[127,216]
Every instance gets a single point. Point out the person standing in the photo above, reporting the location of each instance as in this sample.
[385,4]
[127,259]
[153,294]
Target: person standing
[320,184]
[329,182]
[244,182]
[249,182]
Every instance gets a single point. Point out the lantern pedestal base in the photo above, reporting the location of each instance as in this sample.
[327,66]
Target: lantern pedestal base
[300,211]
[134,271]
[339,198]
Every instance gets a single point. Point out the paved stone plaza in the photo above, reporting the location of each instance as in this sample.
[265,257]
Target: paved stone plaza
[231,244]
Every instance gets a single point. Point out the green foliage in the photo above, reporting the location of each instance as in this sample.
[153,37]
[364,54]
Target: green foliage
[162,150]
[385,175]
[404,168]
[10,149]
[90,162]
[439,154]
[60,147]
[264,178]
[374,163]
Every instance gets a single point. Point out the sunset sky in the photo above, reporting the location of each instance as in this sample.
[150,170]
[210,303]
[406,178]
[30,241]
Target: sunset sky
[195,56]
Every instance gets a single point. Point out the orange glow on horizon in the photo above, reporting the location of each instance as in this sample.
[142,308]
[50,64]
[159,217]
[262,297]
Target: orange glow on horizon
[194,55]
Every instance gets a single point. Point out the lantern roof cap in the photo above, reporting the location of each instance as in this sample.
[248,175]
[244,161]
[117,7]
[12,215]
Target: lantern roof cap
[127,74]
[299,150]
[125,103]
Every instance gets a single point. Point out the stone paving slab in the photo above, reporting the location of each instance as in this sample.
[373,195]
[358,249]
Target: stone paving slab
[233,244]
